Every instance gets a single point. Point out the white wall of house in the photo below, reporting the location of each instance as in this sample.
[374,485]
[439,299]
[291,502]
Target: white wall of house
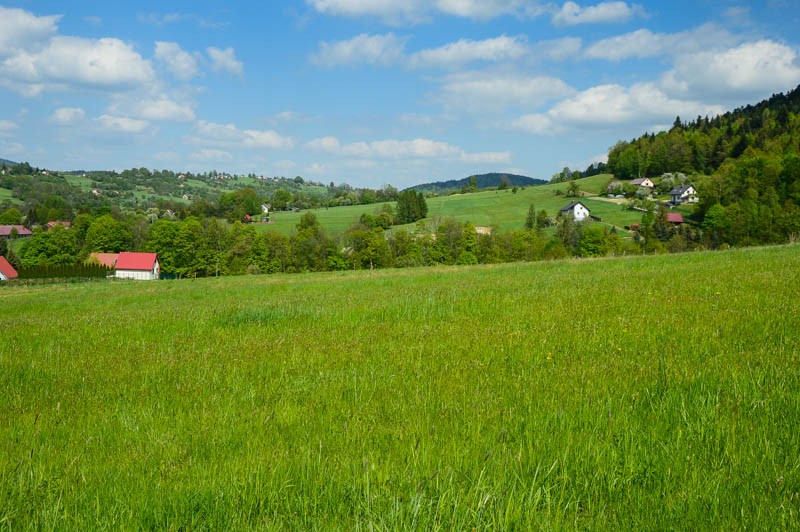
[580,213]
[139,275]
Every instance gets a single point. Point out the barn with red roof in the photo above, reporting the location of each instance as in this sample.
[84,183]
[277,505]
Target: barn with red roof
[138,266]
[7,271]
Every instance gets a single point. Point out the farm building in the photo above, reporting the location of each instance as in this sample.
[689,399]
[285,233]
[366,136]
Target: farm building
[138,266]
[7,271]
[22,231]
[674,218]
[683,194]
[577,210]
[108,260]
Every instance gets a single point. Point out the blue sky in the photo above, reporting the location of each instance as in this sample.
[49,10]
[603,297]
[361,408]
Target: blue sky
[374,92]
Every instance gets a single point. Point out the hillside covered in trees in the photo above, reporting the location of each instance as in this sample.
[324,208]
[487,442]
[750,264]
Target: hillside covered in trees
[744,163]
[478,182]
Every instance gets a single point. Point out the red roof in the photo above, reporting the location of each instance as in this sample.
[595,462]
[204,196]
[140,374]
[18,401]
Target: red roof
[5,230]
[106,259]
[50,225]
[674,217]
[7,269]
[129,260]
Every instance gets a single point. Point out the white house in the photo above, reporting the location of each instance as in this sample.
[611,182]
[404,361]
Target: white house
[683,194]
[138,266]
[7,271]
[643,182]
[577,210]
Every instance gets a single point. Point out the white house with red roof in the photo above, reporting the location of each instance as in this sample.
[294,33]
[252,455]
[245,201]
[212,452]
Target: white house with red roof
[7,271]
[138,266]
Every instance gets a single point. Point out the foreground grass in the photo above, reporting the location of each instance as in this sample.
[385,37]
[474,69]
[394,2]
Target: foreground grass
[647,393]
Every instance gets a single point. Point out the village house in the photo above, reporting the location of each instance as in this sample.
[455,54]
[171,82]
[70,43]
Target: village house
[577,210]
[52,224]
[683,194]
[675,218]
[643,182]
[7,230]
[7,271]
[138,266]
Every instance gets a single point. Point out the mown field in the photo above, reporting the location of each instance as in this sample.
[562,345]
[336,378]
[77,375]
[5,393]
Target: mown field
[637,393]
[501,209]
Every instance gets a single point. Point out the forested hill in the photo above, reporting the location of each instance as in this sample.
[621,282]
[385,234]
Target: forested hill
[476,182]
[6,162]
[704,144]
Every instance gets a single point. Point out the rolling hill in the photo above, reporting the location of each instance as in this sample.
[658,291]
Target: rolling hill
[492,180]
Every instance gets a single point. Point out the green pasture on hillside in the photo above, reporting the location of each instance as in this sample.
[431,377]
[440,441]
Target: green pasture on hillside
[503,210]
[639,393]
[7,195]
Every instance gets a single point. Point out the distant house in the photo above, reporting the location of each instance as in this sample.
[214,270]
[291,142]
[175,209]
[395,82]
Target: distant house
[109,260]
[22,231]
[138,266]
[674,218]
[577,210]
[643,182]
[50,225]
[265,207]
[683,194]
[7,271]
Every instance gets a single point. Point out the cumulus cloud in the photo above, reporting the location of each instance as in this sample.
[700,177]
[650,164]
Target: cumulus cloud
[225,61]
[486,90]
[20,29]
[163,109]
[645,43]
[74,62]
[404,149]
[572,14]
[228,135]
[210,155]
[180,63]
[66,116]
[751,70]
[121,124]
[466,50]
[362,49]
[610,105]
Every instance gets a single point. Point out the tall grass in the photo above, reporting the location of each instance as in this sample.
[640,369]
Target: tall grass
[647,393]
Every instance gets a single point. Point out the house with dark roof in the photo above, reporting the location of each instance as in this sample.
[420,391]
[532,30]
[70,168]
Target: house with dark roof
[683,194]
[7,271]
[22,231]
[576,209]
[137,266]
[643,182]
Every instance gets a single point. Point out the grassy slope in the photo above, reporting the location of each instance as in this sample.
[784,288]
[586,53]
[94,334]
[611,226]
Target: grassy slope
[501,209]
[639,393]
[7,195]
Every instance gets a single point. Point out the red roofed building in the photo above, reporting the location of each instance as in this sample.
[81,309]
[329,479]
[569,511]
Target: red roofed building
[108,260]
[139,266]
[22,231]
[7,271]
[50,225]
[674,218]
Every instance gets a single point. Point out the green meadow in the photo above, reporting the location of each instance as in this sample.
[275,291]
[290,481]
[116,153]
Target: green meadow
[503,210]
[658,392]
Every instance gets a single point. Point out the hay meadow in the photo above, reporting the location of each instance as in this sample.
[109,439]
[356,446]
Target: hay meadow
[637,393]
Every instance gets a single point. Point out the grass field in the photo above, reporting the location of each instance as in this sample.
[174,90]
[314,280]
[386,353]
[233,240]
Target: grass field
[501,209]
[7,195]
[640,393]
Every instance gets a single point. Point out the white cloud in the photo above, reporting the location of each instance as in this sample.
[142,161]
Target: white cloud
[7,127]
[404,149]
[228,135]
[20,29]
[121,124]
[608,105]
[644,43]
[180,63]
[210,155]
[225,61]
[751,70]
[572,14]
[487,90]
[557,49]
[465,50]
[66,116]
[74,62]
[370,49]
[162,109]
[396,12]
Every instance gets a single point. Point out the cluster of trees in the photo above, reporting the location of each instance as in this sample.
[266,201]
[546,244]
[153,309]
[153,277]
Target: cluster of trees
[411,206]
